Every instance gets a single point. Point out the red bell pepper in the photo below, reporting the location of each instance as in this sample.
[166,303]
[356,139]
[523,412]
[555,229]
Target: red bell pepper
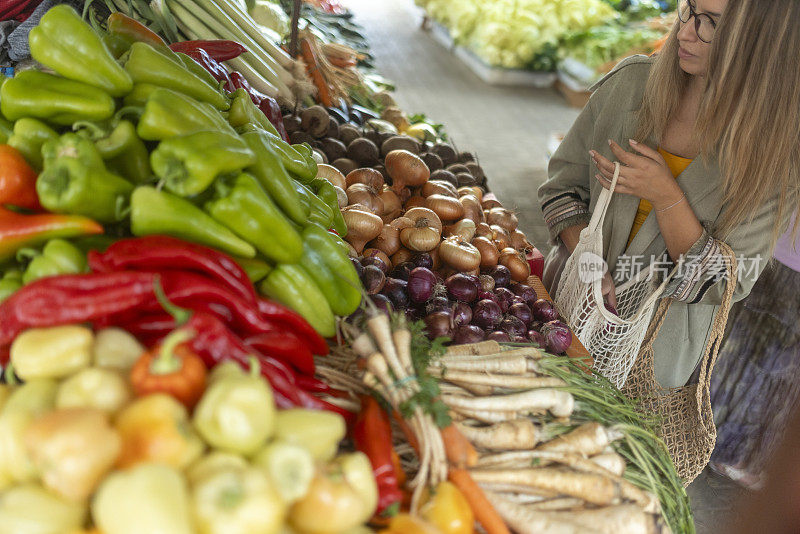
[372,435]
[218,50]
[293,321]
[18,230]
[17,180]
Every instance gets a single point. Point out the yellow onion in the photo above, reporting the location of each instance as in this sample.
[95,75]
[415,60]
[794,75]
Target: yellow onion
[366,196]
[439,187]
[474,190]
[447,208]
[378,253]
[362,226]
[401,256]
[332,174]
[426,232]
[392,207]
[489,253]
[366,176]
[516,263]
[519,241]
[489,203]
[472,208]
[459,255]
[415,201]
[406,169]
[463,229]
[502,217]
[500,236]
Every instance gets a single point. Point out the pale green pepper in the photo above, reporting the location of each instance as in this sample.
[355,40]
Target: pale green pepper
[147,498]
[317,431]
[237,500]
[52,352]
[237,412]
[212,462]
[94,387]
[289,467]
[23,405]
[31,509]
[115,348]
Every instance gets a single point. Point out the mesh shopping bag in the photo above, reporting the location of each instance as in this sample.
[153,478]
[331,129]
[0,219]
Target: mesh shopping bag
[613,341]
[687,422]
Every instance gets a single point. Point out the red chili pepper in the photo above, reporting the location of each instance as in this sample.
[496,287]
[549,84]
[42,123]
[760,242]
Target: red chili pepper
[269,106]
[69,299]
[240,82]
[18,230]
[313,385]
[164,252]
[150,328]
[218,50]
[372,435]
[219,72]
[286,347]
[292,320]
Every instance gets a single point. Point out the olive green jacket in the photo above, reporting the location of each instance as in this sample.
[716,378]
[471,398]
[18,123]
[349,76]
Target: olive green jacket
[571,192]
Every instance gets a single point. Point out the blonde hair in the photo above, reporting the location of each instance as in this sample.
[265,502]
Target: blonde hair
[750,111]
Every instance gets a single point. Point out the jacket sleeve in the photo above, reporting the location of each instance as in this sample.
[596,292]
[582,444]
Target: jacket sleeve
[703,276]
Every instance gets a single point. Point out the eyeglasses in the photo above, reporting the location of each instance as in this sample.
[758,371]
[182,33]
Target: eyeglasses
[704,25]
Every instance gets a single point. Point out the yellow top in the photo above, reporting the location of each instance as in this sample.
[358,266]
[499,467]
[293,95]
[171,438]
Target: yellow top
[676,165]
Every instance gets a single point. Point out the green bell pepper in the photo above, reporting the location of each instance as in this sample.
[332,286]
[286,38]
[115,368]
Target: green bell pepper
[331,269]
[10,283]
[244,112]
[272,175]
[171,114]
[318,212]
[159,212]
[6,130]
[293,287]
[139,94]
[189,164]
[75,180]
[256,269]
[54,99]
[28,137]
[304,168]
[325,191]
[65,43]
[57,257]
[197,69]
[242,205]
[122,150]
[146,65]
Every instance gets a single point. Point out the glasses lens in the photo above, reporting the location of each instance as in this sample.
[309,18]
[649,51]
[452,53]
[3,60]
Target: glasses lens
[684,11]
[705,28]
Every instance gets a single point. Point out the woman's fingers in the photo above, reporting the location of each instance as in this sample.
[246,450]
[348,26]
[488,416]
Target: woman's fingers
[646,151]
[608,290]
[632,160]
[606,183]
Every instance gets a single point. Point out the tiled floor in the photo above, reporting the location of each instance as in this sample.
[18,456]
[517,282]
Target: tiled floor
[508,128]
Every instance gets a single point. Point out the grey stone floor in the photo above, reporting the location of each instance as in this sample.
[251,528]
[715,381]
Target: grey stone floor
[508,128]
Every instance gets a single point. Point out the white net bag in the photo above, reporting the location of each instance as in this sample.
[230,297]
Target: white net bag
[613,341]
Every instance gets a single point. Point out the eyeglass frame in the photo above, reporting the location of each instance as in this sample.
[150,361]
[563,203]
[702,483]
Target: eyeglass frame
[697,21]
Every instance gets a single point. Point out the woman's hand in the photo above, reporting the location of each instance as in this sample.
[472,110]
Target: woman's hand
[644,176]
[608,290]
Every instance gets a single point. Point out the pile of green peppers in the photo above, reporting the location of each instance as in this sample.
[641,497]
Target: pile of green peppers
[145,143]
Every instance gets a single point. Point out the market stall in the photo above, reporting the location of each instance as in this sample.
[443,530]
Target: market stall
[243,291]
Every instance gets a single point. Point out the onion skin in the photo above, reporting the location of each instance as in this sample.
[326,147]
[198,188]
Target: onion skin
[500,237]
[421,282]
[522,312]
[472,208]
[503,218]
[426,232]
[520,242]
[486,314]
[392,205]
[463,229]
[358,266]
[373,279]
[544,311]
[415,201]
[439,303]
[505,298]
[388,241]
[489,203]
[461,288]
[536,338]
[423,259]
[366,196]
[447,208]
[402,270]
[379,254]
[332,174]
[401,256]
[439,187]
[462,313]
[366,176]
[438,324]
[466,334]
[362,226]
[501,275]
[459,255]
[499,336]
[486,282]
[406,169]
[525,292]
[489,253]
[557,336]
[516,263]
[382,303]
[515,327]
[396,291]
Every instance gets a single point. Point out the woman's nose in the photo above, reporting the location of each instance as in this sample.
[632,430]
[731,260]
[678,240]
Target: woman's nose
[687,31]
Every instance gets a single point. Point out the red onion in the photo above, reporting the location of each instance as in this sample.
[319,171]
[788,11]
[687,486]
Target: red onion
[486,295]
[520,339]
[557,336]
[382,303]
[513,326]
[486,314]
[439,324]
[521,312]
[374,260]
[462,313]
[536,338]
[358,266]
[402,271]
[461,287]
[501,275]
[504,298]
[438,304]
[467,334]
[526,293]
[544,311]
[499,336]
[518,300]
[373,279]
[423,259]
[420,284]
[397,292]
[536,325]
[487,282]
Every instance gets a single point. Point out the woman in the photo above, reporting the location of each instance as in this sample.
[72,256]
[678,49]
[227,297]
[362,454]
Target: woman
[713,129]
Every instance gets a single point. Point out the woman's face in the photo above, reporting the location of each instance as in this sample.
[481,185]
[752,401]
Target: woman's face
[693,52]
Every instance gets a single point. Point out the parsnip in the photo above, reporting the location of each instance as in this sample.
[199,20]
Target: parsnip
[484,347]
[519,434]
[463,378]
[588,439]
[610,461]
[559,403]
[487,416]
[595,489]
[509,365]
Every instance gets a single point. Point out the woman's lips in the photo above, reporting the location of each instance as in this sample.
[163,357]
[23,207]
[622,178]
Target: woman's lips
[683,54]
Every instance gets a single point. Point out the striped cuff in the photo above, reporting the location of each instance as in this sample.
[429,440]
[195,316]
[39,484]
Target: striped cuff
[704,265]
[563,211]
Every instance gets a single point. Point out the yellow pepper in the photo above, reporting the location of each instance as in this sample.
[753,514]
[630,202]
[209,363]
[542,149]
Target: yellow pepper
[145,499]
[290,468]
[53,352]
[237,412]
[449,510]
[31,509]
[409,524]
[23,405]
[156,428]
[317,431]
[94,387]
[212,462]
[5,391]
[73,449]
[116,349]
[342,496]
[237,500]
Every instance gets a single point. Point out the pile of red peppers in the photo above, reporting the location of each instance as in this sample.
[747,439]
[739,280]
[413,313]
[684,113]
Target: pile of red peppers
[18,10]
[151,285]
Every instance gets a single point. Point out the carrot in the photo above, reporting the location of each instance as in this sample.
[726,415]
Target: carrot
[312,67]
[460,451]
[484,512]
